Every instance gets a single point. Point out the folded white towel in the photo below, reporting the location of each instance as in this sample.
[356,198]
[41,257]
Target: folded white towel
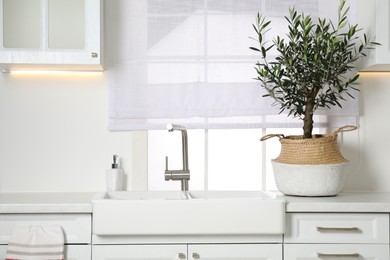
[36,243]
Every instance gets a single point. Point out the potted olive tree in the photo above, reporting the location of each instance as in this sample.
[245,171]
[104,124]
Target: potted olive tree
[312,69]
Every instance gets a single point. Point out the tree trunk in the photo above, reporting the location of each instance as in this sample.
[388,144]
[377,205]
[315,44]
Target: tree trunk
[309,112]
[308,119]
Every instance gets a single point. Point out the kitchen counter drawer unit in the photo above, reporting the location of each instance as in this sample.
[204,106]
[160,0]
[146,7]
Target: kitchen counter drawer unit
[76,227]
[314,236]
[345,228]
[335,252]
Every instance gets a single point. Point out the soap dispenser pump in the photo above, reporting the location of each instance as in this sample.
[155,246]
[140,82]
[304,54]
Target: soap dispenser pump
[114,176]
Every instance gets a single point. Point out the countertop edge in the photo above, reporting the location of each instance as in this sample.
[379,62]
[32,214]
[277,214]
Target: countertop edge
[79,202]
[338,207]
[46,202]
[353,202]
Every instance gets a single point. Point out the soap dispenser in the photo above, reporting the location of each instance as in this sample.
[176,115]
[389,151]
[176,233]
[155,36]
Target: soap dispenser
[114,176]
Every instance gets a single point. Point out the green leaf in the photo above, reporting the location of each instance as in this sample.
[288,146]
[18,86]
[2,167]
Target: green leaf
[354,78]
[341,6]
[265,25]
[260,38]
[263,51]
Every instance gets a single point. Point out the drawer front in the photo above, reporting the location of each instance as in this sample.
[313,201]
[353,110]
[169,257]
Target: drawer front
[336,252]
[72,252]
[337,228]
[76,227]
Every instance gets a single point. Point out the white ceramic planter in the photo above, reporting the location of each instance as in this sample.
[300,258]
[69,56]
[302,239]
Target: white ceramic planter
[309,180]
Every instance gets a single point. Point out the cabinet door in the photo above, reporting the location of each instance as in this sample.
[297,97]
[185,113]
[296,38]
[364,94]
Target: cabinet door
[50,32]
[235,252]
[382,32]
[139,252]
[65,33]
[21,24]
[335,252]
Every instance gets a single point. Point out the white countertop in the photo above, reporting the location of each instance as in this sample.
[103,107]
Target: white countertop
[344,202]
[31,202]
[70,202]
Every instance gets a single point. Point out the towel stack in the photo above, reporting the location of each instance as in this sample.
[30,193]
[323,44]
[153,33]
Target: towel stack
[36,243]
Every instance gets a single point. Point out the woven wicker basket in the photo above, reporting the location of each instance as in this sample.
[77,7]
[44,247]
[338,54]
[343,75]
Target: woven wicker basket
[321,149]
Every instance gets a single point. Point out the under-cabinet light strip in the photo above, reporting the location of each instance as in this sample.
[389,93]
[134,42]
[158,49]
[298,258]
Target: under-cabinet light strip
[374,73]
[53,72]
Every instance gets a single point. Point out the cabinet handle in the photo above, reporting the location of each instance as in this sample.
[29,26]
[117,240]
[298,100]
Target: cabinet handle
[354,255]
[338,229]
[195,256]
[181,256]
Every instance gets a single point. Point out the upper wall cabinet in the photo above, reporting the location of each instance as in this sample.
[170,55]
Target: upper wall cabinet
[381,59]
[50,34]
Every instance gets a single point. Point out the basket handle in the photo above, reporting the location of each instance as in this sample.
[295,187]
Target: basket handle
[266,137]
[347,128]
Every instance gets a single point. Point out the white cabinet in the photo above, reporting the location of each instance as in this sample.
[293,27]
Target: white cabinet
[337,228]
[335,251]
[381,33]
[50,34]
[235,252]
[76,227]
[335,235]
[179,252]
[139,252]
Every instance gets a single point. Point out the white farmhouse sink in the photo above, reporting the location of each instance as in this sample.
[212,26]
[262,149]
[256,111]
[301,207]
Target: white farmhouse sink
[142,195]
[193,213]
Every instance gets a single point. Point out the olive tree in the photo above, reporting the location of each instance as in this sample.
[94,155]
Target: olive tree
[311,65]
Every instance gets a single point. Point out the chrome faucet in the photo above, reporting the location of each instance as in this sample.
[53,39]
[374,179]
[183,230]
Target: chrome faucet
[184,174]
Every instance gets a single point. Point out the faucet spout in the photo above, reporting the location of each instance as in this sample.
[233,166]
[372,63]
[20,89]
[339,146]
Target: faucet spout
[184,141]
[184,174]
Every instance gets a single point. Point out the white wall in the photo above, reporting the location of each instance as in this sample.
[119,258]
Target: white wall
[54,137]
[369,148]
[53,129]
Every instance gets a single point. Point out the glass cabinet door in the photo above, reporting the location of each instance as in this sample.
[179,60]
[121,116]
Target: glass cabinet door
[45,24]
[22,24]
[66,24]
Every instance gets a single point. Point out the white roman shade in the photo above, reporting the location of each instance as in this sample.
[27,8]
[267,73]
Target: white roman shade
[189,62]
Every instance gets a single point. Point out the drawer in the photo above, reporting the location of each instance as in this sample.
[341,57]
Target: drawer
[337,228]
[335,252]
[72,252]
[76,227]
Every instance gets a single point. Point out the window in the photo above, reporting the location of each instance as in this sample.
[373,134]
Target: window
[188,62]
[220,159]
